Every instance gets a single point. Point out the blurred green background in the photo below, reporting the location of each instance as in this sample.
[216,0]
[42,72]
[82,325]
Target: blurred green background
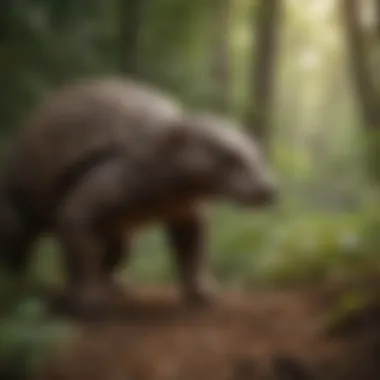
[302,74]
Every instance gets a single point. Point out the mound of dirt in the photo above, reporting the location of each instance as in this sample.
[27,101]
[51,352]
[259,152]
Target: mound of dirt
[260,335]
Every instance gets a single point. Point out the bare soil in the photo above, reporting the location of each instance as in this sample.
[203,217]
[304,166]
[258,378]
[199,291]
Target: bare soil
[267,334]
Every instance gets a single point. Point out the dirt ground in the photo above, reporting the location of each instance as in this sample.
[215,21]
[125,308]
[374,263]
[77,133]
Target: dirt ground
[279,334]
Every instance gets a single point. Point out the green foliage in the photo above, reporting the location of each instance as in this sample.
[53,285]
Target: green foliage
[261,247]
[175,36]
[25,345]
[27,335]
[45,44]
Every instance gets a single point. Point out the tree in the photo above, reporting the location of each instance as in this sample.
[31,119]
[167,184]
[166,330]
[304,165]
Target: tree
[219,70]
[377,10]
[368,94]
[268,14]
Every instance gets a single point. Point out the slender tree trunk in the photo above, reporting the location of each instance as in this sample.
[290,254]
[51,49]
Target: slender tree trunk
[219,60]
[377,11]
[367,95]
[268,15]
[130,25]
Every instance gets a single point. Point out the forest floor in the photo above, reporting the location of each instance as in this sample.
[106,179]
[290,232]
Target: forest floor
[264,334]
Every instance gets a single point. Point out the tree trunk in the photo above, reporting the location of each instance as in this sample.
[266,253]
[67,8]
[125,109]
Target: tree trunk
[366,91]
[377,11]
[130,25]
[219,60]
[364,84]
[265,33]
